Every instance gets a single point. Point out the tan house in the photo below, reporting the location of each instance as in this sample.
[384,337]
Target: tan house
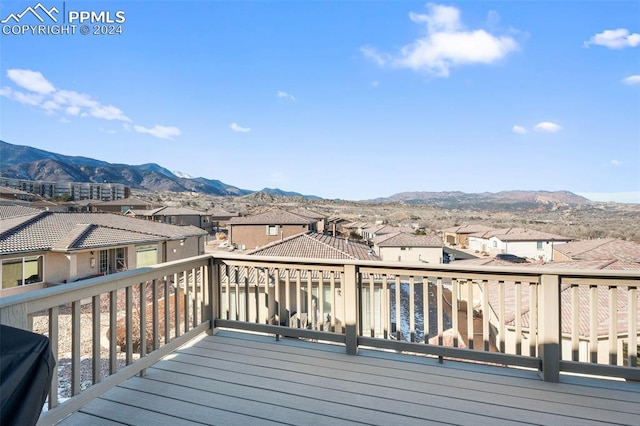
[322,219]
[523,242]
[181,216]
[122,205]
[459,235]
[250,232]
[40,248]
[409,247]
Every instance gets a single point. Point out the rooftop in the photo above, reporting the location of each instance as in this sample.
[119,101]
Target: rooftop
[404,239]
[272,217]
[315,245]
[48,230]
[602,249]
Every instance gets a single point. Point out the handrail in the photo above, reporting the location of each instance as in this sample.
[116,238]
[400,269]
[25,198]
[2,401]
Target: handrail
[516,316]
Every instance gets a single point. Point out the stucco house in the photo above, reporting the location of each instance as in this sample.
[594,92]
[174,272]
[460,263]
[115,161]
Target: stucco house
[181,216]
[409,247]
[122,205]
[38,248]
[250,232]
[369,233]
[322,220]
[459,235]
[521,242]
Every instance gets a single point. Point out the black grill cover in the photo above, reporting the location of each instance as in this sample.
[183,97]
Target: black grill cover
[26,369]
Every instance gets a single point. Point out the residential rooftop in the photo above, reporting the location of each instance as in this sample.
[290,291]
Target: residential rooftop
[69,231]
[316,245]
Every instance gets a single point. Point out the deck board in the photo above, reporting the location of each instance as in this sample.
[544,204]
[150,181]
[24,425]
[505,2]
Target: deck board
[241,378]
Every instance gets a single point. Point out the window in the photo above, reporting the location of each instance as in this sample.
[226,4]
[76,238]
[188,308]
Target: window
[121,259]
[104,262]
[21,271]
[146,255]
[495,243]
[272,229]
[539,245]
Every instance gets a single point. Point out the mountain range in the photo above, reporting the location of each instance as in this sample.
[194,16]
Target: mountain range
[24,162]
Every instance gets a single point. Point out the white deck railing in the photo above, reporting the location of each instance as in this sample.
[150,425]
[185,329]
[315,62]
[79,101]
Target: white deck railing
[546,319]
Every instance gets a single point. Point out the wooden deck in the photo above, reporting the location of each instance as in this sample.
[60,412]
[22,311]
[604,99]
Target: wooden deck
[236,378]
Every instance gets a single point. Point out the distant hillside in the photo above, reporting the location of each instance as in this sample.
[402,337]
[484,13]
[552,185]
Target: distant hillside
[505,200]
[277,191]
[23,162]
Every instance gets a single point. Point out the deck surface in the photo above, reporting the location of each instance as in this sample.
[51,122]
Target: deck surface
[236,378]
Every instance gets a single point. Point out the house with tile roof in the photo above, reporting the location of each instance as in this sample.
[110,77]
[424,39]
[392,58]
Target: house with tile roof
[459,235]
[122,205]
[322,220]
[38,248]
[257,230]
[371,232]
[409,247]
[181,216]
[314,245]
[521,242]
[600,249]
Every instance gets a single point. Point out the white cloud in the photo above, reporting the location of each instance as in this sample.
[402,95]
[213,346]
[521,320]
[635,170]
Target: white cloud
[285,95]
[615,39]
[447,44]
[108,112]
[33,81]
[237,128]
[519,130]
[615,162]
[547,127]
[632,79]
[162,132]
[39,92]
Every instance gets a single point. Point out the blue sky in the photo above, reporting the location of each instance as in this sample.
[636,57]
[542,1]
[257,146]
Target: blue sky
[351,100]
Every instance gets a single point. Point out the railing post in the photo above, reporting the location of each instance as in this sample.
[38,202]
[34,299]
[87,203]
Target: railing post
[351,308]
[549,329]
[15,316]
[212,293]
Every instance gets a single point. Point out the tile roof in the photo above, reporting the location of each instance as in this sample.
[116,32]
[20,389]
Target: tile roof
[272,217]
[177,211]
[11,210]
[520,234]
[49,230]
[317,246]
[607,248]
[307,213]
[131,201]
[405,239]
[217,211]
[468,229]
